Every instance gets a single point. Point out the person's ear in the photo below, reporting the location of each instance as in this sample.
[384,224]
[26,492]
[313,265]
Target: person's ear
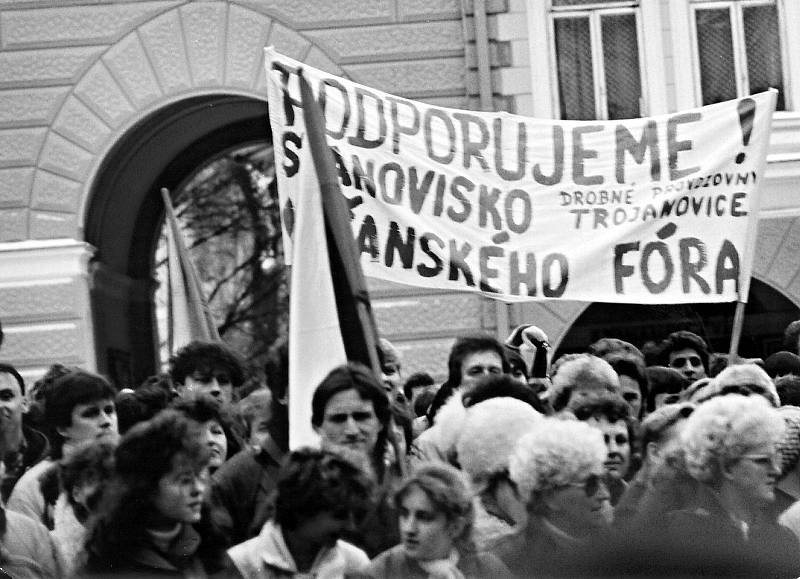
[25,405]
[727,470]
[652,449]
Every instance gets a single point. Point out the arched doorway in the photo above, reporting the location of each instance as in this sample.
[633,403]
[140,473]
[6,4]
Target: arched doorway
[125,214]
[767,314]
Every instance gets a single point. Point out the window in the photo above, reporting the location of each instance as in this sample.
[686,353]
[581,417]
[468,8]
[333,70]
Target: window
[738,49]
[597,59]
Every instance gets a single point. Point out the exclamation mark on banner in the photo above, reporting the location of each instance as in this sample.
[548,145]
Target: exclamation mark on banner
[747,111]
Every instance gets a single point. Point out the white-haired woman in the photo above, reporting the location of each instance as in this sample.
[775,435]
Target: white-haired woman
[558,470]
[730,447]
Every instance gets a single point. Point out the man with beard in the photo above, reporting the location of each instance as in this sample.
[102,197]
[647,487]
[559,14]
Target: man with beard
[320,496]
[22,446]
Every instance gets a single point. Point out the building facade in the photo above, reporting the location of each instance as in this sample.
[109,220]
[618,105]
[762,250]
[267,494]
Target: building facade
[102,103]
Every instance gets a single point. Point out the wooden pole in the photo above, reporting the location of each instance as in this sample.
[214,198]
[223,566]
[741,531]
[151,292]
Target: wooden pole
[736,333]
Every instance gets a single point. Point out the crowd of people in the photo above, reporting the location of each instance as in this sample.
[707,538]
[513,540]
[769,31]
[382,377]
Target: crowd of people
[664,461]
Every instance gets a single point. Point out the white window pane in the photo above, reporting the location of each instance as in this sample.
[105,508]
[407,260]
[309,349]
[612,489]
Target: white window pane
[715,46]
[763,45]
[575,72]
[621,62]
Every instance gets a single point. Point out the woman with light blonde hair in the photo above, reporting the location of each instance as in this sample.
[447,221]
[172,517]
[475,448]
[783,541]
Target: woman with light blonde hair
[730,448]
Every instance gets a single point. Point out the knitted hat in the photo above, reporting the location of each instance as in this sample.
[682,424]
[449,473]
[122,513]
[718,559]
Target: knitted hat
[489,433]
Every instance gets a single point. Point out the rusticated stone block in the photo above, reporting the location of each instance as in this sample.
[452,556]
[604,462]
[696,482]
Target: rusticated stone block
[425,356]
[429,314]
[40,301]
[13,225]
[288,42]
[65,158]
[326,12]
[56,193]
[20,146]
[412,78]
[46,66]
[771,233]
[78,123]
[62,342]
[101,93]
[163,43]
[318,59]
[46,225]
[15,187]
[247,36]
[129,65]
[30,106]
[425,9]
[203,27]
[383,42]
[74,24]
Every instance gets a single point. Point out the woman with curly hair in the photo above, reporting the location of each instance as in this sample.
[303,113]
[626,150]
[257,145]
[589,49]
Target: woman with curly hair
[219,429]
[435,519]
[557,467]
[730,448]
[151,520]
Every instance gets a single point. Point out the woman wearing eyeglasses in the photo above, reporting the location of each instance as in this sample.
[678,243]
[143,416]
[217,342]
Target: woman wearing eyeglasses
[730,448]
[558,470]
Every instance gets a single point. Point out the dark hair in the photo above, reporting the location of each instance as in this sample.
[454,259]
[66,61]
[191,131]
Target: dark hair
[610,406]
[202,408]
[632,367]
[145,454]
[791,335]
[401,414]
[788,388]
[313,481]
[417,380]
[782,363]
[206,356]
[663,380]
[277,368]
[502,386]
[92,462]
[9,369]
[73,388]
[681,340]
[355,376]
[516,361]
[463,347]
[422,402]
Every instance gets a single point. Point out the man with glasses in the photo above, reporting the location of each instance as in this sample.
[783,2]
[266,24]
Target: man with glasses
[686,352]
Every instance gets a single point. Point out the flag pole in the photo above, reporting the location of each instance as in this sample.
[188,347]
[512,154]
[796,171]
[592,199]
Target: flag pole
[356,320]
[359,331]
[736,333]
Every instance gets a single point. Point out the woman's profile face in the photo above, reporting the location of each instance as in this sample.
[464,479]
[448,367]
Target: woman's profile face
[179,494]
[424,530]
[755,474]
[217,442]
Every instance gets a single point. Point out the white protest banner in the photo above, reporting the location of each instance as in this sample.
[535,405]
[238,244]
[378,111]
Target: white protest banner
[651,210]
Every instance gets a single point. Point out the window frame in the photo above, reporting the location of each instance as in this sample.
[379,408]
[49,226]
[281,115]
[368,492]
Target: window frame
[595,12]
[742,76]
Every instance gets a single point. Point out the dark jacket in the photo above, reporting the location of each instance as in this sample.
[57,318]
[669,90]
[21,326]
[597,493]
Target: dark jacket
[35,448]
[241,494]
[144,560]
[706,540]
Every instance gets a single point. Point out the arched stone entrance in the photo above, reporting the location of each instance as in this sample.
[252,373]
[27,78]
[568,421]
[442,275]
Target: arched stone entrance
[767,314]
[125,213]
